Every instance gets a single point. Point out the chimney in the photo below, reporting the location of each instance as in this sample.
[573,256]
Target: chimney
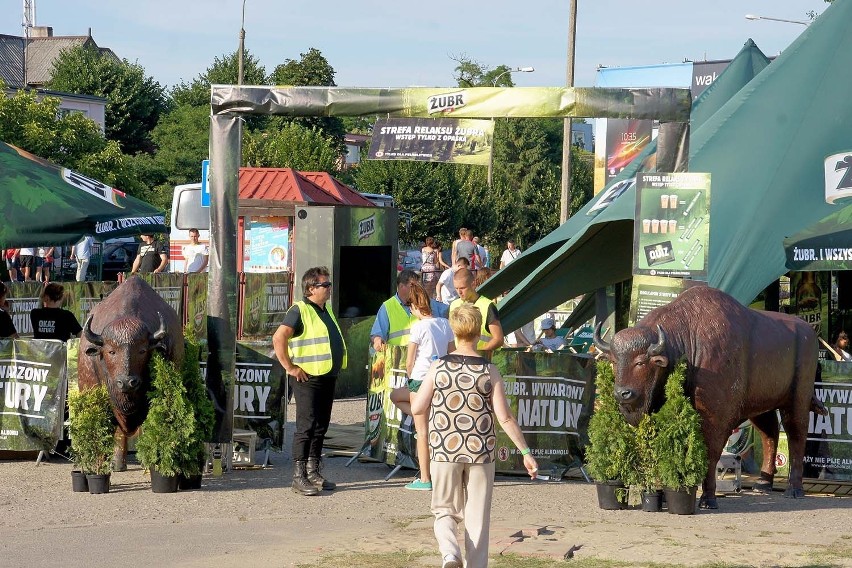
[41,31]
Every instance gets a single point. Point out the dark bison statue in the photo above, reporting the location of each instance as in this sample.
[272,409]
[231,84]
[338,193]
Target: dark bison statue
[116,347]
[741,364]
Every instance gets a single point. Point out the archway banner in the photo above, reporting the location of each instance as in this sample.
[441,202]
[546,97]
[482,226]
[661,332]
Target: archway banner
[663,104]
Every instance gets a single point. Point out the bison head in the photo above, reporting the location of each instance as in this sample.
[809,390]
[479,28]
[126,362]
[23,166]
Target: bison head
[640,364]
[121,353]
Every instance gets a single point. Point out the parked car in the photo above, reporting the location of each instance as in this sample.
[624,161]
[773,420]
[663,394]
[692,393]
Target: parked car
[117,258]
[409,260]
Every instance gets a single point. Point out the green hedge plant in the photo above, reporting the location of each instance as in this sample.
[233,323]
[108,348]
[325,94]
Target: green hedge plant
[192,460]
[92,429]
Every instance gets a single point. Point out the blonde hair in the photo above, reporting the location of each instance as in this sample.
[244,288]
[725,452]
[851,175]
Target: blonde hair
[466,322]
[418,298]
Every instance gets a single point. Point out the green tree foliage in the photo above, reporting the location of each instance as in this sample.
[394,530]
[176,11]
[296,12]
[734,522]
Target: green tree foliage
[134,101]
[91,427]
[429,192]
[312,69]
[293,146]
[223,71]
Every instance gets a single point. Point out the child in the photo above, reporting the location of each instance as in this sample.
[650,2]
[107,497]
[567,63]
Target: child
[430,339]
[51,321]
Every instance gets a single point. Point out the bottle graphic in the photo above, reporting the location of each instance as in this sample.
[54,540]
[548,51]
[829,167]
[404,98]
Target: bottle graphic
[809,300]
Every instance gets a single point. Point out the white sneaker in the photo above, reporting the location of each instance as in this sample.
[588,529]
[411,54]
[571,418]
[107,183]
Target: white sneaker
[451,561]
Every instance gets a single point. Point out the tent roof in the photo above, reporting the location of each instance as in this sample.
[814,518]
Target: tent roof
[593,250]
[287,184]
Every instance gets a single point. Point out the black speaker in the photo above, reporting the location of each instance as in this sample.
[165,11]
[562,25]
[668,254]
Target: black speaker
[844,289]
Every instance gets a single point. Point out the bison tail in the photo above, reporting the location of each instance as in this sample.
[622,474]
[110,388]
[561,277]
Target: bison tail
[817,407]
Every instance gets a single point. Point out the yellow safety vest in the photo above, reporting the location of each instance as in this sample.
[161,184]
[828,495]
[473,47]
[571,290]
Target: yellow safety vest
[399,327]
[312,349]
[482,303]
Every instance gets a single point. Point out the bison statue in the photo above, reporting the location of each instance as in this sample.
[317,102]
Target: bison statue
[741,364]
[116,347]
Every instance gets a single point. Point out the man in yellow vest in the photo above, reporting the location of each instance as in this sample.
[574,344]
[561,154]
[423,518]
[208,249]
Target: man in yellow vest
[310,347]
[491,336]
[394,319]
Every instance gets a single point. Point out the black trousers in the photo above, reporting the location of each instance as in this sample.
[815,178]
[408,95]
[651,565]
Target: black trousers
[314,398]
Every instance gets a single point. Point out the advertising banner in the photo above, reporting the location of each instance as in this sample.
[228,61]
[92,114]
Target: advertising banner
[169,287]
[259,392]
[80,299]
[459,141]
[24,297]
[650,292]
[825,245]
[269,244]
[389,434]
[266,298]
[32,391]
[552,395]
[672,227]
[196,304]
[809,299]
[625,139]
[828,451]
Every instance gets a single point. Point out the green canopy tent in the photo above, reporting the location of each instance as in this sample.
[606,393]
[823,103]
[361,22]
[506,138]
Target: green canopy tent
[742,69]
[45,204]
[825,245]
[594,248]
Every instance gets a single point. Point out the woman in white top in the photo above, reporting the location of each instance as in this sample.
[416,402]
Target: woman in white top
[430,338]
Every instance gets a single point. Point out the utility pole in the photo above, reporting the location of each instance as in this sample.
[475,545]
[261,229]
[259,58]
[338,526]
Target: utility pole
[28,22]
[242,46]
[565,201]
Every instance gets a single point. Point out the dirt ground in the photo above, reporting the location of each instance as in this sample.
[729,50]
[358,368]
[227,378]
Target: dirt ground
[251,518]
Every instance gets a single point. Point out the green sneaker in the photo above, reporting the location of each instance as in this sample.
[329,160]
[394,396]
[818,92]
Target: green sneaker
[418,485]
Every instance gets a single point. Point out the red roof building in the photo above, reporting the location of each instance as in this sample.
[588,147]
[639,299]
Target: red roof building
[298,188]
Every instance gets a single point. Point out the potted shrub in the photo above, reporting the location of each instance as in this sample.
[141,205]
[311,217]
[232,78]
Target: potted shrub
[611,457]
[91,427]
[648,473]
[679,446]
[165,439]
[191,463]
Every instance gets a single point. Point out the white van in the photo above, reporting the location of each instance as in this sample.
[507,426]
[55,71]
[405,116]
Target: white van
[187,213]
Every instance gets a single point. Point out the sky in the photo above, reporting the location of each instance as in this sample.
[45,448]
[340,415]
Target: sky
[372,43]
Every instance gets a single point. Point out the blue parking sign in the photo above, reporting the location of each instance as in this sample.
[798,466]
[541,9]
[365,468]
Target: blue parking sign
[205,186]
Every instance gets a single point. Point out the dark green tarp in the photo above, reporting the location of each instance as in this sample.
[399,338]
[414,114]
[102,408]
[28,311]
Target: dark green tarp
[825,245]
[588,252]
[45,204]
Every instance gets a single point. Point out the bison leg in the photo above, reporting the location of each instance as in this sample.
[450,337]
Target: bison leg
[715,441]
[119,457]
[767,426]
[796,427]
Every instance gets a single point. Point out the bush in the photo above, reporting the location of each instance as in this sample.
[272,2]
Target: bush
[92,429]
[192,460]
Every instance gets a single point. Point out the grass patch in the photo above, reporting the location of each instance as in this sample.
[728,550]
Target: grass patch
[405,522]
[399,559]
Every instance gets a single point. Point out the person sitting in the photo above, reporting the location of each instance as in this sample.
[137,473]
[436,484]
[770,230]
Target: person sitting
[7,326]
[51,321]
[841,345]
[549,339]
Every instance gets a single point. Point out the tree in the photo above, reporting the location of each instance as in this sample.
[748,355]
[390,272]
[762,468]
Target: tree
[134,101]
[312,69]
[223,71]
[293,146]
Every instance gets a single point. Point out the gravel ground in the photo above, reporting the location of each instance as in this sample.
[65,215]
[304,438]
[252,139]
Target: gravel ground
[252,518]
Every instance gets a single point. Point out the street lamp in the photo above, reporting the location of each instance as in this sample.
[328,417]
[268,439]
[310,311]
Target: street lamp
[565,196]
[242,46]
[755,17]
[494,84]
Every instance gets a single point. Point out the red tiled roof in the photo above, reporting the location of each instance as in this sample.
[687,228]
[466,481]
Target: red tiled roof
[286,184]
[339,190]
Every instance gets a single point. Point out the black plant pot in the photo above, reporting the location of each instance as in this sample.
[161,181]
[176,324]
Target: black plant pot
[162,483]
[681,502]
[79,484]
[186,483]
[608,496]
[98,483]
[652,502]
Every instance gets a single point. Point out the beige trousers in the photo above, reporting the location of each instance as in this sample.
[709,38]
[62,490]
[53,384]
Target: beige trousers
[462,491]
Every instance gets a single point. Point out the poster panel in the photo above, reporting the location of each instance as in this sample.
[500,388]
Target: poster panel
[672,227]
[269,244]
[169,287]
[809,299]
[32,391]
[625,139]
[82,297]
[828,450]
[453,140]
[196,305]
[266,298]
[23,297]
[552,396]
[650,292]
[389,434]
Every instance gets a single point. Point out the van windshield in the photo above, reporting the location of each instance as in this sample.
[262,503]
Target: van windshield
[190,214]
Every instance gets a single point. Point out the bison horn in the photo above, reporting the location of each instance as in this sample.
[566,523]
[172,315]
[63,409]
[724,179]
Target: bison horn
[660,345]
[163,331]
[602,345]
[90,335]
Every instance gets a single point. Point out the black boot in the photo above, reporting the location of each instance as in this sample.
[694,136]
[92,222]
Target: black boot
[301,485]
[315,478]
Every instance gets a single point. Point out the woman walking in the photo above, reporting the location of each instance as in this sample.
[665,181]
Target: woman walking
[463,393]
[429,267]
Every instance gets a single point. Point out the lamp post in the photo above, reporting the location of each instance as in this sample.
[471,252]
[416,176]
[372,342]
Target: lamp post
[242,46]
[756,17]
[494,84]
[565,199]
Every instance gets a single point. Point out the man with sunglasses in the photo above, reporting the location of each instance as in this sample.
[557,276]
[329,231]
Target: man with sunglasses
[310,347]
[394,319]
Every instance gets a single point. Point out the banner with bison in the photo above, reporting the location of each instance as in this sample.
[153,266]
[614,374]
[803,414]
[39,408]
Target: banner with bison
[32,391]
